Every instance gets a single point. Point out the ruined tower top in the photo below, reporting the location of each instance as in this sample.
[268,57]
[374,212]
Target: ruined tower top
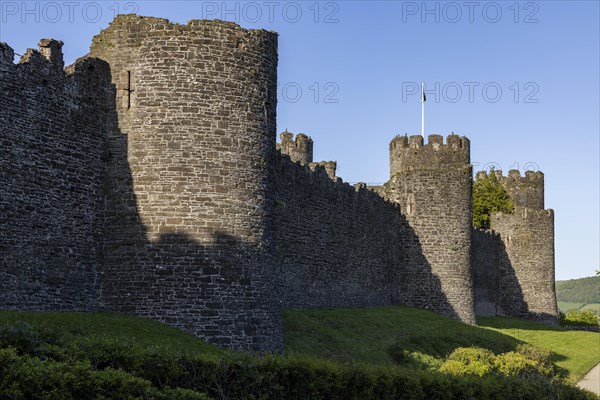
[299,149]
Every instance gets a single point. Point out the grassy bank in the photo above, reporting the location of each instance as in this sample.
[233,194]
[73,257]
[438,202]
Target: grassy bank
[387,353]
[374,335]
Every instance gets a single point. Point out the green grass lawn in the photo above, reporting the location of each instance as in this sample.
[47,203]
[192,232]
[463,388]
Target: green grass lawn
[574,351]
[139,332]
[374,334]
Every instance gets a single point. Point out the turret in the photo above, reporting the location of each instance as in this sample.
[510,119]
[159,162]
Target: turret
[526,191]
[526,252]
[411,153]
[299,149]
[432,184]
[196,107]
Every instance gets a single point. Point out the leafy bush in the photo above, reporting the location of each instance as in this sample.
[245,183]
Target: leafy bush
[579,318]
[489,196]
[513,363]
[21,336]
[543,358]
[469,361]
[525,361]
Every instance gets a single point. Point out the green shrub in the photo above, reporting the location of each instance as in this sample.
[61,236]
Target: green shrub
[513,363]
[469,361]
[525,361]
[579,318]
[20,336]
[541,357]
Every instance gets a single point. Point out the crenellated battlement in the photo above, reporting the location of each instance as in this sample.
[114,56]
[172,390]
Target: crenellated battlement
[411,153]
[51,49]
[486,232]
[526,191]
[299,149]
[329,166]
[319,176]
[83,83]
[49,55]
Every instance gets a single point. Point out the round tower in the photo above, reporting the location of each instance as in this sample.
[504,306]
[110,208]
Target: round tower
[527,254]
[432,183]
[188,178]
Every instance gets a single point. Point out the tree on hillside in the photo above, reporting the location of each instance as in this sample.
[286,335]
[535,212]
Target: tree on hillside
[489,196]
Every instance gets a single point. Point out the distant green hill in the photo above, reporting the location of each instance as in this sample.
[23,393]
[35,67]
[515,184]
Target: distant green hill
[584,290]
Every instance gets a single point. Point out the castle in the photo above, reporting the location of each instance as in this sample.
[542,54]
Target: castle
[146,179]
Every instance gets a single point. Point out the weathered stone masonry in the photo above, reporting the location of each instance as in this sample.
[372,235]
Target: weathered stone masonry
[336,245]
[514,262]
[188,223]
[432,183]
[146,179]
[52,140]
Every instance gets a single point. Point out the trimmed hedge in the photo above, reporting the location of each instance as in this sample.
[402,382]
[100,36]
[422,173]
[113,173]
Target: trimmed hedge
[28,377]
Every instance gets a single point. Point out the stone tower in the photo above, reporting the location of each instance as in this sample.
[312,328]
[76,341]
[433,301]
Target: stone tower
[527,257]
[432,184]
[187,229]
[299,149]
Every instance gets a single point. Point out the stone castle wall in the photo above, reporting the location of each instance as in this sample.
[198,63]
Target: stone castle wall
[52,142]
[486,250]
[335,245]
[146,179]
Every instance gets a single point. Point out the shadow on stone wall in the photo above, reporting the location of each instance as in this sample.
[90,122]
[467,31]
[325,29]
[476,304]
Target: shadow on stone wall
[418,285]
[511,301]
[52,125]
[214,289]
[512,297]
[498,290]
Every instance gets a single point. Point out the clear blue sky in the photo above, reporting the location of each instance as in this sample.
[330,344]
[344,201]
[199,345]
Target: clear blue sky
[364,57]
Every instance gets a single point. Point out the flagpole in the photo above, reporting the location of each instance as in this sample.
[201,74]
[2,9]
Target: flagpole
[423,110]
